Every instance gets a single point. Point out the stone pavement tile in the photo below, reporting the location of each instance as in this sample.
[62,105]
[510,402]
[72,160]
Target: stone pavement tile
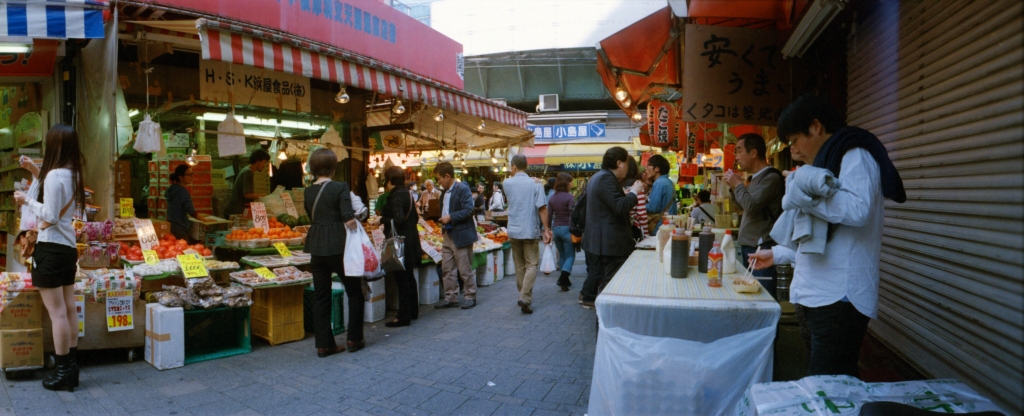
[535,390]
[387,404]
[512,342]
[356,412]
[476,407]
[584,398]
[420,369]
[179,389]
[534,357]
[353,404]
[163,411]
[564,393]
[257,398]
[512,410]
[224,406]
[38,406]
[447,375]
[296,408]
[421,381]
[537,345]
[503,385]
[199,398]
[576,410]
[536,404]
[508,399]
[477,394]
[443,402]
[247,412]
[414,395]
[546,412]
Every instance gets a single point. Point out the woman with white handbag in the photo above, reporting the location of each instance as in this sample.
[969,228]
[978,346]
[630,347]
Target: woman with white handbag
[402,249]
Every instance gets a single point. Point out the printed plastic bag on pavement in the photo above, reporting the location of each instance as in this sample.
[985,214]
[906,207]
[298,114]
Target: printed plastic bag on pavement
[547,262]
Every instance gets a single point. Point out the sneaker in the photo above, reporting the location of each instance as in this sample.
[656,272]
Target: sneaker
[588,304]
[468,304]
[445,305]
[525,307]
[581,299]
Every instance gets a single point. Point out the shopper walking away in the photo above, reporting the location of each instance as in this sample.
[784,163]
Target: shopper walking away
[244,191]
[400,219]
[607,240]
[527,224]
[837,288]
[179,204]
[559,207]
[329,206]
[761,201]
[497,199]
[459,232]
[57,191]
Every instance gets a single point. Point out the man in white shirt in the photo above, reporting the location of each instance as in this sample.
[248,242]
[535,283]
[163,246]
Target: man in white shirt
[837,289]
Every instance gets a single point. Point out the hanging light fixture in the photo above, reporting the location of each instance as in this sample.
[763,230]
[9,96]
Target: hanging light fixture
[495,169]
[627,103]
[504,169]
[282,155]
[481,125]
[398,108]
[342,96]
[439,116]
[191,159]
[620,94]
[440,156]
[637,116]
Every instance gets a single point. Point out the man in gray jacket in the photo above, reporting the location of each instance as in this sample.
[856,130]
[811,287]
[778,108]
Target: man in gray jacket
[761,201]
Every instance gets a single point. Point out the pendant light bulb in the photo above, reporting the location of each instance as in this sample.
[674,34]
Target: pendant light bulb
[282,155]
[439,116]
[637,117]
[398,108]
[481,126]
[627,103]
[191,159]
[620,94]
[342,96]
[494,160]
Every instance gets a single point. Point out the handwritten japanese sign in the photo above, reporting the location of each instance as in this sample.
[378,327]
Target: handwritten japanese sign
[265,273]
[151,257]
[259,216]
[147,234]
[267,88]
[120,310]
[733,75]
[127,208]
[192,266]
[289,204]
[282,250]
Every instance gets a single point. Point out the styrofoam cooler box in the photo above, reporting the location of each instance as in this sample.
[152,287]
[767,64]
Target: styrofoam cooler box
[165,336]
[485,273]
[497,270]
[428,284]
[375,307]
[510,264]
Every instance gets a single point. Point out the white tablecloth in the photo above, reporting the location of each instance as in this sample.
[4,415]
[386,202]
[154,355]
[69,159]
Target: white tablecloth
[676,346]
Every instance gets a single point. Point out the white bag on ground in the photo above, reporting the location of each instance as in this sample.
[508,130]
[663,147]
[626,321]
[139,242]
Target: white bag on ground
[547,262]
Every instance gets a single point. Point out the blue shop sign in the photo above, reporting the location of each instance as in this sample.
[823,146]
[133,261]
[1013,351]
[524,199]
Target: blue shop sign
[568,131]
[581,166]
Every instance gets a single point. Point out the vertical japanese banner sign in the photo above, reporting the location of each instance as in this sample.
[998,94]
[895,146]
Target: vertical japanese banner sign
[660,120]
[80,307]
[119,310]
[733,75]
[677,130]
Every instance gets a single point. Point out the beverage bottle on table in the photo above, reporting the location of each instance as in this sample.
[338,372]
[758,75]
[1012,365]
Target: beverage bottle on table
[680,254]
[664,233]
[706,239]
[715,266]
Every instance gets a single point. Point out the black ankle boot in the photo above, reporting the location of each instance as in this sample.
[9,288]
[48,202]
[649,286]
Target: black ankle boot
[73,356]
[63,378]
[563,281]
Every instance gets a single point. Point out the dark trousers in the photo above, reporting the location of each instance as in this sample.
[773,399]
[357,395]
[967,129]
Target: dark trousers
[322,267]
[836,334]
[766,277]
[600,270]
[408,299]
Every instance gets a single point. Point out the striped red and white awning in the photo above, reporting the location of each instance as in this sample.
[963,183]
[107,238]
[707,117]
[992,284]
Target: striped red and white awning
[241,45]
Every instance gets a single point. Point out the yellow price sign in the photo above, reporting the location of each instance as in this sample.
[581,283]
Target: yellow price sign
[151,257]
[127,208]
[283,250]
[265,273]
[192,266]
[120,310]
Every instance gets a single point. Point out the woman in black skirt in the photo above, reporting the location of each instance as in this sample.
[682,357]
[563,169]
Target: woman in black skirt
[400,218]
[57,191]
[329,205]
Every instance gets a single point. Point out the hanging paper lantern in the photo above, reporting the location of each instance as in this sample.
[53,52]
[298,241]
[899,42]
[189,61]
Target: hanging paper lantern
[645,135]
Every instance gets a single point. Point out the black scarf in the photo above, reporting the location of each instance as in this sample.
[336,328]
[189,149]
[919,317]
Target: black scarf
[830,157]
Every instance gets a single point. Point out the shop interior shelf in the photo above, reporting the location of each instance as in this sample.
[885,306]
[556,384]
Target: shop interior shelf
[216,333]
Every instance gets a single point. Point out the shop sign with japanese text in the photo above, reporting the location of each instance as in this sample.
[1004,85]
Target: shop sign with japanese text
[568,131]
[218,81]
[733,75]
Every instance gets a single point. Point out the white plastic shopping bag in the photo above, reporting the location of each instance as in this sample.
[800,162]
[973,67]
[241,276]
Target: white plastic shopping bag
[547,262]
[148,139]
[361,260]
[230,137]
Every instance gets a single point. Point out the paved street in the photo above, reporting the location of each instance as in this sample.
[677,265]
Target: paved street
[490,360]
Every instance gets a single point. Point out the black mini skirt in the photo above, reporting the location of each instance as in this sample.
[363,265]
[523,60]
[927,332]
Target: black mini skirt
[54,265]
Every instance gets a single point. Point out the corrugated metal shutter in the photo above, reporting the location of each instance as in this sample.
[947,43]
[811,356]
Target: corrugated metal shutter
[940,82]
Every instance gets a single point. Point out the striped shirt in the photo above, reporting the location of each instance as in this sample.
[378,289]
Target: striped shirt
[639,212]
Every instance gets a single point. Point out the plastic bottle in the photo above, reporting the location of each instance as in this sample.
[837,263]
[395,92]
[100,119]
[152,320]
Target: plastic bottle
[705,242]
[680,256]
[664,234]
[715,266]
[666,263]
[728,253]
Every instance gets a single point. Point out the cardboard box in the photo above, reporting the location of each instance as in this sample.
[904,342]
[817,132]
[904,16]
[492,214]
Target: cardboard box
[376,307]
[165,336]
[22,310]
[429,285]
[199,229]
[20,348]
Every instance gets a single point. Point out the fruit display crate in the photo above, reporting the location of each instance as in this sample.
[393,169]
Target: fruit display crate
[217,333]
[277,314]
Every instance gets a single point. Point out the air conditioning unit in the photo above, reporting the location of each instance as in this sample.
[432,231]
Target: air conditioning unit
[548,102]
[501,101]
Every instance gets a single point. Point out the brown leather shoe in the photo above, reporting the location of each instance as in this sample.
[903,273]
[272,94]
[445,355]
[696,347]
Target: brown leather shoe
[356,346]
[525,307]
[327,352]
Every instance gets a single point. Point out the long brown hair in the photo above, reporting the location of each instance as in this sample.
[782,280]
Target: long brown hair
[63,151]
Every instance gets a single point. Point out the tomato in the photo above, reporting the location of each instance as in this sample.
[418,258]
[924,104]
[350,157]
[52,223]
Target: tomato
[181,244]
[206,252]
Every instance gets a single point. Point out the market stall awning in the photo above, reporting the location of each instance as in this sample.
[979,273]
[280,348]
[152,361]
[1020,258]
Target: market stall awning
[53,19]
[456,131]
[561,154]
[241,45]
[752,14]
[642,60]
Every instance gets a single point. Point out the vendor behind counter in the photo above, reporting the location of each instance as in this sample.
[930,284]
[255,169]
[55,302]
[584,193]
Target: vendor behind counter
[179,203]
[244,191]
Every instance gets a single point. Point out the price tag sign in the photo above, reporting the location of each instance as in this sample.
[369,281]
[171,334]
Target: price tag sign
[265,273]
[426,226]
[192,266]
[378,239]
[151,257]
[147,234]
[289,205]
[190,251]
[120,310]
[283,250]
[80,307]
[431,252]
[259,216]
[127,208]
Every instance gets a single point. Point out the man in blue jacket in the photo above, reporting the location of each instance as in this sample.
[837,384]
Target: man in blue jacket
[459,233]
[662,199]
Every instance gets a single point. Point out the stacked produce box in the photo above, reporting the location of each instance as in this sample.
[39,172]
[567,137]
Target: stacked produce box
[160,178]
[21,323]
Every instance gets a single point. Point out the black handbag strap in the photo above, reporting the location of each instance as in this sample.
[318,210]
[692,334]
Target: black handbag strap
[312,215]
